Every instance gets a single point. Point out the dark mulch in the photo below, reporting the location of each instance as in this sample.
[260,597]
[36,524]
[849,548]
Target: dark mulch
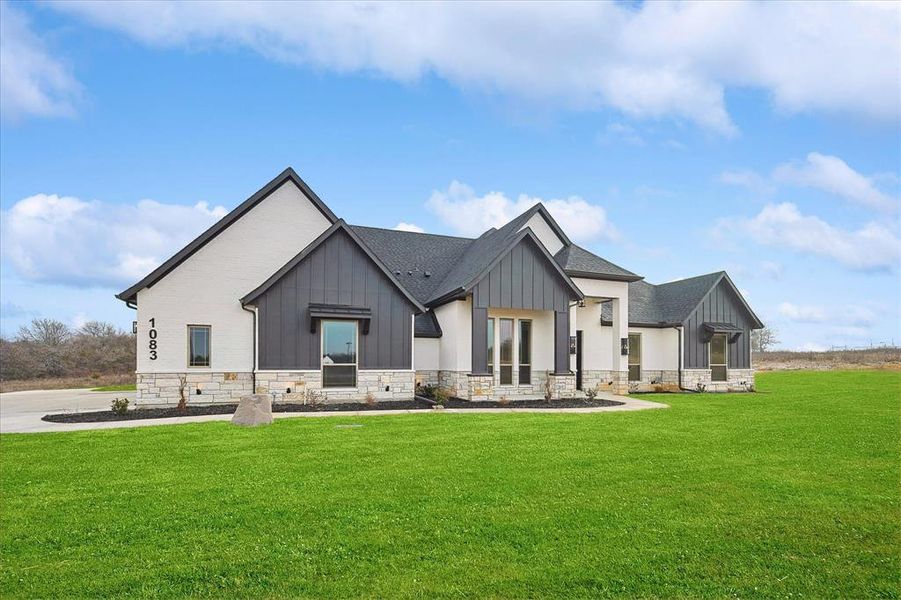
[227,409]
[562,403]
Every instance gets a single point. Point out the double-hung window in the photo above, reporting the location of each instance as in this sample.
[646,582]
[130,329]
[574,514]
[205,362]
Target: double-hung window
[339,354]
[525,352]
[719,351]
[198,345]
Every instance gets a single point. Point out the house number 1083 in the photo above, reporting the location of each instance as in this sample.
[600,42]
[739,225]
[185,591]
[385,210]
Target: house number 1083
[152,334]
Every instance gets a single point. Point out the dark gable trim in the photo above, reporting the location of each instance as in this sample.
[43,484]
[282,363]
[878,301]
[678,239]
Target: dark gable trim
[603,277]
[462,291]
[539,208]
[339,225]
[130,295]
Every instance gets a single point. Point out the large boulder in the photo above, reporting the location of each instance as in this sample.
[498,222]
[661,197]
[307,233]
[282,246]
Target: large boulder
[253,410]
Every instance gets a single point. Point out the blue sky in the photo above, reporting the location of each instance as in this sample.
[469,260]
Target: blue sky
[128,129]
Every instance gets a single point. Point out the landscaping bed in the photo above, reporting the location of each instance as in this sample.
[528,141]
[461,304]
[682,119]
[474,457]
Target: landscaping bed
[101,416]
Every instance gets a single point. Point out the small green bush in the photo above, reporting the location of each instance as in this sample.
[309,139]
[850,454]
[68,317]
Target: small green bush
[119,405]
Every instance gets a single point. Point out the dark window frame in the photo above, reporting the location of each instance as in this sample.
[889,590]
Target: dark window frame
[491,344]
[506,368]
[323,325]
[637,358]
[527,380]
[717,368]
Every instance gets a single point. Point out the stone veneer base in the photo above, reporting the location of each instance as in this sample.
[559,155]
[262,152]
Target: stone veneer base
[306,386]
[488,387]
[738,380]
[162,389]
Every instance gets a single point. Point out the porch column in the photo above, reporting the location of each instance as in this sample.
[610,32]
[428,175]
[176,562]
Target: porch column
[561,341]
[479,341]
[620,366]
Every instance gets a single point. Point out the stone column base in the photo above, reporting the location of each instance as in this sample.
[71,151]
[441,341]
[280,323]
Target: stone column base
[481,387]
[562,385]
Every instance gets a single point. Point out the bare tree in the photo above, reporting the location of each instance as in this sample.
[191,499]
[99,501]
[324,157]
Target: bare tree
[99,329]
[48,332]
[764,339]
[182,398]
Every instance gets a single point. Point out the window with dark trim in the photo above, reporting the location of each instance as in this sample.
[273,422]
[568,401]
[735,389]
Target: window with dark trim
[634,357]
[525,352]
[198,345]
[491,344]
[506,354]
[719,351]
[339,353]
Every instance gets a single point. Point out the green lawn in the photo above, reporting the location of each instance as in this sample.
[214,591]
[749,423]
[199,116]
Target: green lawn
[792,492]
[125,387]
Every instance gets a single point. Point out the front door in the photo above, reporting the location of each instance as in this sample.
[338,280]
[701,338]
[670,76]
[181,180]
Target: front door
[579,359]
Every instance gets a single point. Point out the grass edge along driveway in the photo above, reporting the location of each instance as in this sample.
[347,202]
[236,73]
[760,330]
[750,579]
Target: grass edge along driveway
[786,493]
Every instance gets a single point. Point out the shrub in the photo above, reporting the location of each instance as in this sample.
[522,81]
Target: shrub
[370,399]
[427,391]
[311,397]
[503,401]
[441,395]
[548,391]
[592,393]
[119,406]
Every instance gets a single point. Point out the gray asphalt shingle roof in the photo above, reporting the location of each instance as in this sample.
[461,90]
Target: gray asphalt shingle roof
[576,260]
[454,262]
[433,266]
[410,255]
[669,303]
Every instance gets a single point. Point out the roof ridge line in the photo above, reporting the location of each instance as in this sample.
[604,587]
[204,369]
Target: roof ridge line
[455,237]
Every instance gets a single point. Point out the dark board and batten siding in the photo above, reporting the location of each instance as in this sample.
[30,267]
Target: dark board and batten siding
[522,279]
[336,272]
[719,306]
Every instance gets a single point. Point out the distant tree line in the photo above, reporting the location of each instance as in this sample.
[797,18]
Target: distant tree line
[50,348]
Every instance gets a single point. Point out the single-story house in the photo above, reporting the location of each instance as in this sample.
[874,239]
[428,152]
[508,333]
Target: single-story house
[281,296]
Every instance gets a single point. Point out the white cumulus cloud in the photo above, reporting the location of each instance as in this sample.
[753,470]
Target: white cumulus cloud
[803,313]
[32,81]
[402,226]
[470,214]
[65,240]
[833,175]
[649,61]
[871,247]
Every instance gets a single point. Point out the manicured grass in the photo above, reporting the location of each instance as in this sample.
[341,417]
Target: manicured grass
[127,387]
[790,492]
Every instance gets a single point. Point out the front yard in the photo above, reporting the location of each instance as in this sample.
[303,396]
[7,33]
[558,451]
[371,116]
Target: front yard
[790,492]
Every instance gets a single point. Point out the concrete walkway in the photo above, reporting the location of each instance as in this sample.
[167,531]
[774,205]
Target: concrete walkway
[29,421]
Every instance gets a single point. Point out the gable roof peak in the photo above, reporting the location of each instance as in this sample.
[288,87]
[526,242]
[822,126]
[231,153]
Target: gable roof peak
[130,295]
[339,225]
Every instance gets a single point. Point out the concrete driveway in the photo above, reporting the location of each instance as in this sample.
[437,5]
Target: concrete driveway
[22,411]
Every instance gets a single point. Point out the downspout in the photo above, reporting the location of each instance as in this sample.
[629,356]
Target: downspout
[253,364]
